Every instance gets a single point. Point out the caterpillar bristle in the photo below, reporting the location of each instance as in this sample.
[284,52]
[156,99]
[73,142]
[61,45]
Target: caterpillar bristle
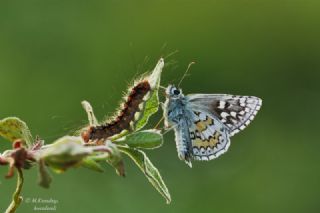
[125,116]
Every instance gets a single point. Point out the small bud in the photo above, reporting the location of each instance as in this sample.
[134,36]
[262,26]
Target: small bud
[86,134]
[18,143]
[3,161]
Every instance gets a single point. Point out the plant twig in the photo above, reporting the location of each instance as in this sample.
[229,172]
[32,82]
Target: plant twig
[16,198]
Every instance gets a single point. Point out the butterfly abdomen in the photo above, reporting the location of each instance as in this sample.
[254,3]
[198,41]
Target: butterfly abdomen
[183,142]
[125,116]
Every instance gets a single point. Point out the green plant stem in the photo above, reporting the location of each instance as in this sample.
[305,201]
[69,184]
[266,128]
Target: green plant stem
[16,198]
[116,137]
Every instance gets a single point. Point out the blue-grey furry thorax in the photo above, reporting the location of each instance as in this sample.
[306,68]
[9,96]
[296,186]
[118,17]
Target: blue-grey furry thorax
[175,105]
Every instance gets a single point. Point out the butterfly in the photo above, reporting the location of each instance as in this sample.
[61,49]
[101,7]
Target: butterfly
[204,123]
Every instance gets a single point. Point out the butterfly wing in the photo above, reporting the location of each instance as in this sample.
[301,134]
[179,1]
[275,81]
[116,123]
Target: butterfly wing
[235,112]
[209,138]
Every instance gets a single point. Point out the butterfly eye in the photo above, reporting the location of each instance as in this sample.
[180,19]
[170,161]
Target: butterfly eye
[176,92]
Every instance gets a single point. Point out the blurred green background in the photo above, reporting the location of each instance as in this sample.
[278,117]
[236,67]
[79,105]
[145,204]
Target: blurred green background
[54,54]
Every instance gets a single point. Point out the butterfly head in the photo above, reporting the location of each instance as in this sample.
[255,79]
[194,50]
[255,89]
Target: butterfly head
[173,92]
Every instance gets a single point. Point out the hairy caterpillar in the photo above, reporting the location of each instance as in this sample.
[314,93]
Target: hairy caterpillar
[133,104]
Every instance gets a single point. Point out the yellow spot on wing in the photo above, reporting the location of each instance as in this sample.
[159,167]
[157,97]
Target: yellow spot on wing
[212,142]
[202,125]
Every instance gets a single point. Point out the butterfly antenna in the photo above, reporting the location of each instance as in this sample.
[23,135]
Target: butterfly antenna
[185,73]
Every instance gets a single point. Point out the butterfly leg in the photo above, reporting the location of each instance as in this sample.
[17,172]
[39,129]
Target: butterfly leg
[168,129]
[162,118]
[162,105]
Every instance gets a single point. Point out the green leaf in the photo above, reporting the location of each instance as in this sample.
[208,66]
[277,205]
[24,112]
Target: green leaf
[115,159]
[90,163]
[44,176]
[146,139]
[66,152]
[151,172]
[151,105]
[91,117]
[13,128]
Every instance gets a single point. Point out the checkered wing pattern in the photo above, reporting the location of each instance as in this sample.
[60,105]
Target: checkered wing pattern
[209,139]
[235,112]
